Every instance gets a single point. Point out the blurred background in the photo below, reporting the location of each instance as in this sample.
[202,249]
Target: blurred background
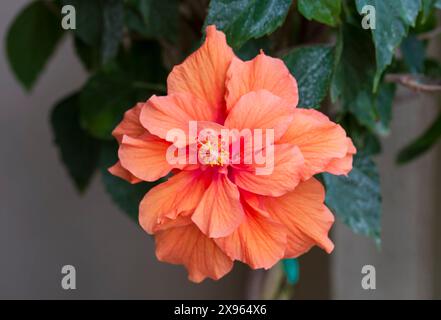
[45,223]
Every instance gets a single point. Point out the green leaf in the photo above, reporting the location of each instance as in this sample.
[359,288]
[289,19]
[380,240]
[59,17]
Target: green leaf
[422,143]
[78,150]
[252,48]
[324,11]
[100,24]
[414,54]
[135,22]
[393,19]
[105,98]
[426,21]
[113,25]
[89,20]
[356,199]
[242,20]
[427,6]
[383,102]
[352,82]
[312,67]
[365,141]
[111,91]
[143,62]
[89,56]
[31,40]
[127,196]
[155,18]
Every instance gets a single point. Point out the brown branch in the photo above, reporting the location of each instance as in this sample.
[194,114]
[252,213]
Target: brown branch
[429,35]
[413,82]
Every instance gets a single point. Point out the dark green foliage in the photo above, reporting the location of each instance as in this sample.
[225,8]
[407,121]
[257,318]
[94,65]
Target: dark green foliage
[422,143]
[31,40]
[78,150]
[312,67]
[242,20]
[356,199]
[124,194]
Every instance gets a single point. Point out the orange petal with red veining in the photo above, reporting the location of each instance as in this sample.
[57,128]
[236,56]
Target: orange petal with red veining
[305,217]
[187,245]
[174,112]
[262,72]
[319,139]
[180,194]
[203,73]
[259,241]
[130,124]
[342,166]
[145,157]
[118,170]
[219,212]
[261,110]
[280,174]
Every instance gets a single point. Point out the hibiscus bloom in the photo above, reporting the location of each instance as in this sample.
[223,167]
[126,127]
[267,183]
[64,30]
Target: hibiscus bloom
[207,216]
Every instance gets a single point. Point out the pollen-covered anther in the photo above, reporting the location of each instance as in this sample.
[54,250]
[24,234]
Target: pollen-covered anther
[213,151]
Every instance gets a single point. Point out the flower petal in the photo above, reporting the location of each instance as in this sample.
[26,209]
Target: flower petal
[319,139]
[344,165]
[182,220]
[219,213]
[263,72]
[130,124]
[187,245]
[145,157]
[259,241]
[203,73]
[261,110]
[118,171]
[280,173]
[305,217]
[179,195]
[162,114]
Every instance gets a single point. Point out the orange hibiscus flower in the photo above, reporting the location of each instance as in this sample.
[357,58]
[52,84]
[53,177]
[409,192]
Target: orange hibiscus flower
[207,215]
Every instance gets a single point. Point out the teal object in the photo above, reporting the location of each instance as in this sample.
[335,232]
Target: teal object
[292,270]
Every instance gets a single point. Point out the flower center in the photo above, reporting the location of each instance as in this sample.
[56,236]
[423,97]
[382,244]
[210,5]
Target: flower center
[212,151]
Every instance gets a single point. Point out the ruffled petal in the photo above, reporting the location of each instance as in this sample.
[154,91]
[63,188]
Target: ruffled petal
[319,139]
[203,73]
[263,72]
[220,212]
[259,241]
[145,157]
[118,170]
[130,124]
[261,110]
[278,175]
[305,217]
[174,112]
[187,245]
[344,165]
[179,195]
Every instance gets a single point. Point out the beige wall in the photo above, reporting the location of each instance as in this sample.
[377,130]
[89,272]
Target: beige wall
[406,265]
